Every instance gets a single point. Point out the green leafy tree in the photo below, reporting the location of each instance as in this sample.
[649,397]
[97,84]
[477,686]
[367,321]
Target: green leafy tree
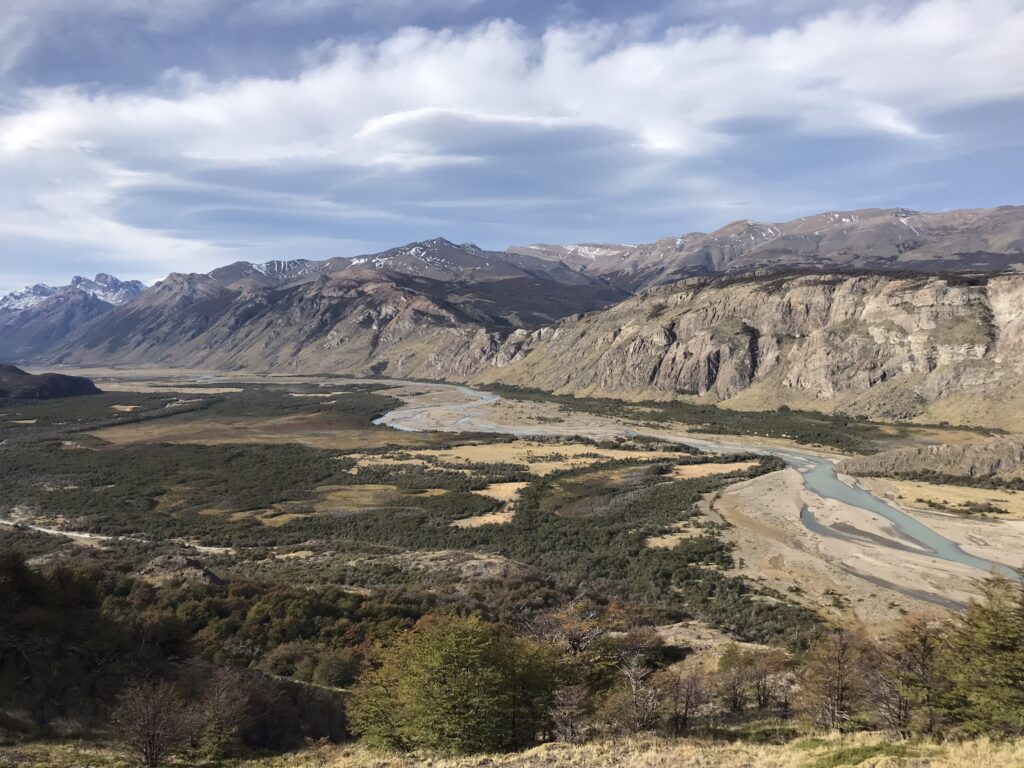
[458,686]
[985,662]
[909,680]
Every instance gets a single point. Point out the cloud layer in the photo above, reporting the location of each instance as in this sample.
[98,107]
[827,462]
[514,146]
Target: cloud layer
[500,131]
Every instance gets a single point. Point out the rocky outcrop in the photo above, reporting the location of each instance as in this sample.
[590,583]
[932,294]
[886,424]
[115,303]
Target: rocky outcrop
[178,568]
[878,344]
[1000,458]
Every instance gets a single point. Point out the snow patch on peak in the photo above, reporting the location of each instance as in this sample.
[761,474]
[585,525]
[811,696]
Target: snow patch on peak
[104,287]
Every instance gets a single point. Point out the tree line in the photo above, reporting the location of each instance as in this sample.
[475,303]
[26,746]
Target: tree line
[213,671]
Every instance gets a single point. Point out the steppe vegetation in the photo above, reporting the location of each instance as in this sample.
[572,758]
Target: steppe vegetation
[257,598]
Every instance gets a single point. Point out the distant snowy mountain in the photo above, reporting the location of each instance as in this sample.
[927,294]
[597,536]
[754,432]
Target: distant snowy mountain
[267,274]
[27,297]
[36,317]
[104,287]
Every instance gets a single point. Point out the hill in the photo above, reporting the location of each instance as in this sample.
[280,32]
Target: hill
[16,384]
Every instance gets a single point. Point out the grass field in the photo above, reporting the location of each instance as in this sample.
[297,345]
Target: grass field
[959,499]
[862,750]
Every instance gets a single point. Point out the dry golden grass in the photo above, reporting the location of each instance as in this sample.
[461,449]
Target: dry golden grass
[690,471]
[311,430]
[917,495]
[494,518]
[682,531]
[541,458]
[663,753]
[503,491]
[864,751]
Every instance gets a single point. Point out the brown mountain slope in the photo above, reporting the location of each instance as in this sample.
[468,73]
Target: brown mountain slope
[357,322]
[984,239]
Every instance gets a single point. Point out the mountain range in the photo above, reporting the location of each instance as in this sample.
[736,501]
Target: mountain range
[39,316]
[882,312]
[889,239]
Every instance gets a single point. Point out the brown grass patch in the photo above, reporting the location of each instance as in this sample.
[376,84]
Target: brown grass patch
[493,518]
[313,430]
[682,531]
[690,471]
[541,458]
[958,498]
[503,491]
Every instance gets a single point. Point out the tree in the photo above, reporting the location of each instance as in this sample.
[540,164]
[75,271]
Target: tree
[768,675]
[153,722]
[223,708]
[685,692]
[571,711]
[835,683]
[458,686]
[985,662]
[909,681]
[732,679]
[632,707]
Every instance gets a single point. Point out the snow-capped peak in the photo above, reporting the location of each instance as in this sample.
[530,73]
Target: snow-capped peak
[283,268]
[103,287]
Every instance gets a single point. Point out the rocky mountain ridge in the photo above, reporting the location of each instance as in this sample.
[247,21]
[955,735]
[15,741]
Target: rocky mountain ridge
[873,239]
[34,319]
[886,342]
[104,287]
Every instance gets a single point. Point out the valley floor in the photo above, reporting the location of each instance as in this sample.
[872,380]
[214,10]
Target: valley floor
[855,565]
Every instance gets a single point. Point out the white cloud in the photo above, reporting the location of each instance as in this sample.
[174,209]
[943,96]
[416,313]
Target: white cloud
[440,98]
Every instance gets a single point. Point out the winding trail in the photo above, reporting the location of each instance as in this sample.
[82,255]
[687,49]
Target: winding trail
[819,473]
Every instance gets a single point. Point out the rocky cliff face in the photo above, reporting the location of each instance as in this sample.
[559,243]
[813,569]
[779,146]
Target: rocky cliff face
[877,345]
[998,458]
[868,344]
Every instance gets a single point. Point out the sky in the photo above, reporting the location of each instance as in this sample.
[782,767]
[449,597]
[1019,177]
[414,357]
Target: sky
[143,137]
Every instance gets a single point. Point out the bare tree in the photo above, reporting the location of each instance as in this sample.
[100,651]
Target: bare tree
[836,678]
[577,626]
[768,677]
[153,722]
[732,679]
[685,693]
[571,714]
[633,707]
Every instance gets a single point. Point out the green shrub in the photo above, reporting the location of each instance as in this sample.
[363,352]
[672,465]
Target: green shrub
[457,686]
